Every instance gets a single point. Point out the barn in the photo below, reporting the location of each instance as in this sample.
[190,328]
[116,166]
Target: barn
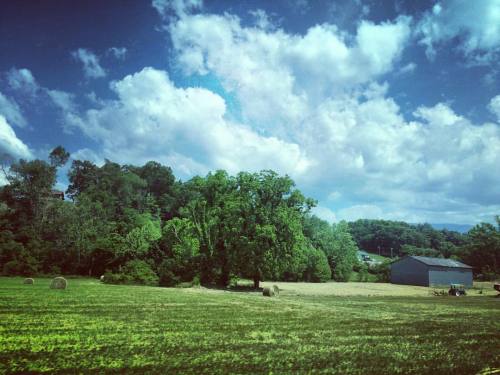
[425,271]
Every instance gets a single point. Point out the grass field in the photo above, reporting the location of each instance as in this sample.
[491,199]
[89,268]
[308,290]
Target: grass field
[97,328]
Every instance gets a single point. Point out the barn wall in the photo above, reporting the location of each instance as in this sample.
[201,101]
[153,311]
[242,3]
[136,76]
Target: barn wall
[409,271]
[447,276]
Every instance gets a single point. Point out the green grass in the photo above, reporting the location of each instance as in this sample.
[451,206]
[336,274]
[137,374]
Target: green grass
[355,277]
[97,328]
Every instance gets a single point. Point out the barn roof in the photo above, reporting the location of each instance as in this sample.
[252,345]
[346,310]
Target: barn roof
[440,262]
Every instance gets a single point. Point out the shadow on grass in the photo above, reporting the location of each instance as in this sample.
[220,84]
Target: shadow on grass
[235,288]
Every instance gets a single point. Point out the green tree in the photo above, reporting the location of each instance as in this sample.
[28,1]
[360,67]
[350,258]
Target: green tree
[343,254]
[160,185]
[58,157]
[482,249]
[139,240]
[271,240]
[82,176]
[208,211]
[181,249]
[318,269]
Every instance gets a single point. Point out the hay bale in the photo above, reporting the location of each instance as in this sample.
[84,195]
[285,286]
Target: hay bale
[276,290]
[268,292]
[272,291]
[29,281]
[58,283]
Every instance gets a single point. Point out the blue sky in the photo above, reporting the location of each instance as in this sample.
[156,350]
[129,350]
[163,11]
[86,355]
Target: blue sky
[377,109]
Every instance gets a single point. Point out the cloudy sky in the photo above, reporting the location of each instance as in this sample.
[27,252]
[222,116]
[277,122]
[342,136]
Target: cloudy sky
[377,109]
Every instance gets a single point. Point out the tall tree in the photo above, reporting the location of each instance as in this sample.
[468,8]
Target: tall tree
[58,157]
[482,250]
[271,239]
[343,255]
[208,211]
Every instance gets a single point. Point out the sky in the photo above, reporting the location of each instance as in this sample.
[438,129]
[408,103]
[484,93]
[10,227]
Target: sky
[383,109]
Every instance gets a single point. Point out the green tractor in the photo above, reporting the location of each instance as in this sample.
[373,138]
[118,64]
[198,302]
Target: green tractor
[457,290]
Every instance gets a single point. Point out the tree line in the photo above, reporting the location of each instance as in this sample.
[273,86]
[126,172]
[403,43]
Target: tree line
[479,247]
[141,224]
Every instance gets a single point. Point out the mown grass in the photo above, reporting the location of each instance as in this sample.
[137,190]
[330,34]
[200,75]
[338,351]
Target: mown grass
[97,328]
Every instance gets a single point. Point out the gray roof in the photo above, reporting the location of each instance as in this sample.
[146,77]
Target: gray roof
[440,262]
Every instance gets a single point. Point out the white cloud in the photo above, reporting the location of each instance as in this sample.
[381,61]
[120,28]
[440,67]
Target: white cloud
[90,61]
[311,107]
[494,107]
[414,170]
[324,213]
[62,99]
[152,119]
[22,80]
[3,179]
[407,69]
[477,23]
[118,52]
[11,111]
[179,7]
[9,143]
[87,154]
[365,211]
[261,19]
[275,75]
[439,115]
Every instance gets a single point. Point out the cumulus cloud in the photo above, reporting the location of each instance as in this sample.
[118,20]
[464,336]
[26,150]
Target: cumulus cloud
[90,62]
[310,107]
[9,143]
[11,111]
[153,119]
[494,107]
[317,90]
[273,73]
[477,23]
[324,213]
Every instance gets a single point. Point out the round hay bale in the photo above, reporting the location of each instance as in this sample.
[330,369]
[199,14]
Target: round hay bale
[29,281]
[58,283]
[271,291]
[276,290]
[268,292]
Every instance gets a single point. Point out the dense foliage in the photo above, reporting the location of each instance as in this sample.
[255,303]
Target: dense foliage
[394,238]
[480,247]
[142,225]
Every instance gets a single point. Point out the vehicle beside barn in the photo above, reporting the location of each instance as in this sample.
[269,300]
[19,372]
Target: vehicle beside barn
[426,271]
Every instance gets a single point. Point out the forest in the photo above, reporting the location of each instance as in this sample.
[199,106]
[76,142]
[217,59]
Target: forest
[140,224]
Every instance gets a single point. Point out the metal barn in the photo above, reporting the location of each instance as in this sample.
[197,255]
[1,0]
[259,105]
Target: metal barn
[425,271]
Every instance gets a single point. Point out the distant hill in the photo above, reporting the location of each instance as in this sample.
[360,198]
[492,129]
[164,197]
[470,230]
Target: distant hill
[462,228]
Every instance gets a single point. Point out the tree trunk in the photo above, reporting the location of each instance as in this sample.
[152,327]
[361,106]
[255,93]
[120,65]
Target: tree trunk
[256,281]
[91,266]
[223,279]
